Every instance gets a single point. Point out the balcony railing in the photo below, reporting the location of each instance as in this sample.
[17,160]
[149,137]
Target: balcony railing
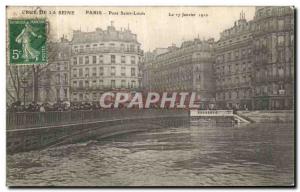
[107,50]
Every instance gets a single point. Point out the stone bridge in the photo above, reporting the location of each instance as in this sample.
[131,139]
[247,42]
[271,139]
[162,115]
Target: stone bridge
[34,130]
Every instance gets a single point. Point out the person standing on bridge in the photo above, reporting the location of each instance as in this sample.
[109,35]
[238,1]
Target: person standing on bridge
[42,113]
[42,108]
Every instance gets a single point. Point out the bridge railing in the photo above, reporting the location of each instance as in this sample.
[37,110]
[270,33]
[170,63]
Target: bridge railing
[19,120]
[198,113]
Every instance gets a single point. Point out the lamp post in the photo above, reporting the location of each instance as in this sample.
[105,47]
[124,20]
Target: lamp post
[24,86]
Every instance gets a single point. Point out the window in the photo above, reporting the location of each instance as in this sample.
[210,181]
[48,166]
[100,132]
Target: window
[236,54]
[243,52]
[87,83]
[249,52]
[229,56]
[281,10]
[65,78]
[57,93]
[94,96]
[74,83]
[74,60]
[113,83]
[57,79]
[80,96]
[123,71]
[123,83]
[94,72]
[75,72]
[237,80]
[280,72]
[87,72]
[132,47]
[80,84]
[122,46]
[65,93]
[113,59]
[65,66]
[280,40]
[75,97]
[80,72]
[133,84]
[132,72]
[101,83]
[281,24]
[123,59]
[113,71]
[86,59]
[101,59]
[132,59]
[87,96]
[101,71]
[94,84]
[81,48]
[80,60]
[94,59]
[75,48]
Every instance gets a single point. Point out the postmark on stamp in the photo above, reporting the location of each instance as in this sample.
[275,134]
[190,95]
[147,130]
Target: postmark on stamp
[27,41]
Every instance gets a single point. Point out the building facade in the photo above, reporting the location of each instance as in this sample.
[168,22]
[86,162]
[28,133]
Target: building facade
[147,67]
[233,66]
[104,60]
[54,80]
[273,46]
[187,68]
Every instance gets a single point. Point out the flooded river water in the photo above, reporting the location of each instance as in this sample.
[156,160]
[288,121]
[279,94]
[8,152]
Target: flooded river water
[206,155]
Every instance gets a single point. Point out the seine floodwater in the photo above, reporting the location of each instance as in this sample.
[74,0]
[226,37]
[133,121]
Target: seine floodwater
[191,155]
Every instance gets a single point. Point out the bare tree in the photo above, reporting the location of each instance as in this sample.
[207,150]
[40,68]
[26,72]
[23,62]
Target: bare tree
[32,73]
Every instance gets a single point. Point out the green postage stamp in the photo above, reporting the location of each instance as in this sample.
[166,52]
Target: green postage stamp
[27,41]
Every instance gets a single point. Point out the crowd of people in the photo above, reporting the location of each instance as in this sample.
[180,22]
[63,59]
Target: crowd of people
[66,106]
[58,106]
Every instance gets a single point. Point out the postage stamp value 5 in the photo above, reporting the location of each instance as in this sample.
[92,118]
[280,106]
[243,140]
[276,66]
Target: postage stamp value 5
[27,41]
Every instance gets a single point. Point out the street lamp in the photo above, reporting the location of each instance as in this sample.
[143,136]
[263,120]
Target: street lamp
[24,83]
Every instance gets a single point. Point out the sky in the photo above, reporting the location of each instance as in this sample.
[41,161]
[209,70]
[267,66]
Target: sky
[156,29]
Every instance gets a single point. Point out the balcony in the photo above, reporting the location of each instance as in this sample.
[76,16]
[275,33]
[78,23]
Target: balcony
[97,50]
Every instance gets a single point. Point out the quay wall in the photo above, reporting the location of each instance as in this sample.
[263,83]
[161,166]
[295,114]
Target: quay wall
[268,116]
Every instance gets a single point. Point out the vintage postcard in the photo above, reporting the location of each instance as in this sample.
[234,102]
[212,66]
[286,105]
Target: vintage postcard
[150,96]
